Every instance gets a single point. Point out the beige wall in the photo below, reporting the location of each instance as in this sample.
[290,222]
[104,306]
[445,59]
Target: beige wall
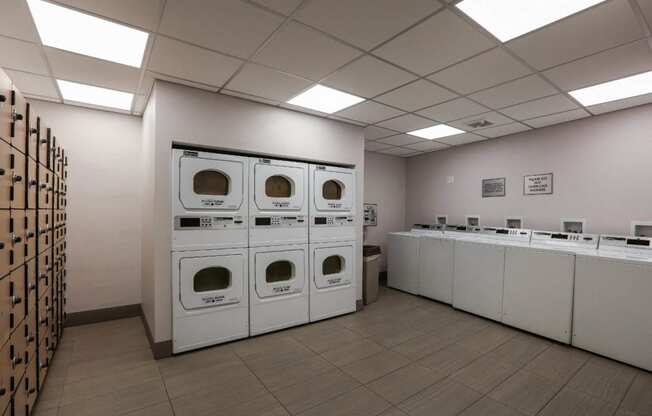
[602,172]
[104,204]
[385,183]
[186,115]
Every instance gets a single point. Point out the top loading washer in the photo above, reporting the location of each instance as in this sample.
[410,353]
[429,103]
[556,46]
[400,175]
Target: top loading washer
[209,200]
[332,204]
[278,202]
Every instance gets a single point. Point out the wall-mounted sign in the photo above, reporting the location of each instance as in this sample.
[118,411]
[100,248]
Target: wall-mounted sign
[493,187]
[371,214]
[539,184]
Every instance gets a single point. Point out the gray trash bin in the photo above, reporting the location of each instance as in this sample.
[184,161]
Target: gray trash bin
[371,256]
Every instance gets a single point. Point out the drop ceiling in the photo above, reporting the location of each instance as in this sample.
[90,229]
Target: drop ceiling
[417,63]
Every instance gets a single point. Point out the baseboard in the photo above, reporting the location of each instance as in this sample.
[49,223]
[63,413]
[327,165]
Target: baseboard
[359,305]
[101,315]
[159,349]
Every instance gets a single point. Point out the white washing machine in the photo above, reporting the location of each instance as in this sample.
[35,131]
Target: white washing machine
[332,279]
[278,287]
[278,202]
[538,293]
[209,200]
[332,204]
[210,297]
[612,310]
[479,269]
[403,261]
[436,254]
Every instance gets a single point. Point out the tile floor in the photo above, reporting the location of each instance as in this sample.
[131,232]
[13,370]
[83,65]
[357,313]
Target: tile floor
[401,355]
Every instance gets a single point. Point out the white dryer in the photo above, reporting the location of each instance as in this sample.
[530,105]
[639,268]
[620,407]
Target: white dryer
[278,287]
[332,204]
[612,312]
[209,200]
[278,202]
[332,279]
[210,297]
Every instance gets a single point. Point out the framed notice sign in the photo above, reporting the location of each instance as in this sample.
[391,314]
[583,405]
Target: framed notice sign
[493,187]
[539,184]
[371,214]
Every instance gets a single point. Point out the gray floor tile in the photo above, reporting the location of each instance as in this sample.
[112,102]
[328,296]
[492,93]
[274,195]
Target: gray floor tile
[526,392]
[352,352]
[446,398]
[520,350]
[404,382]
[449,359]
[359,402]
[639,396]
[161,409]
[489,407]
[390,334]
[574,403]
[266,348]
[558,362]
[99,367]
[289,373]
[196,360]
[210,378]
[394,411]
[484,374]
[327,338]
[264,405]
[604,379]
[375,366]
[488,338]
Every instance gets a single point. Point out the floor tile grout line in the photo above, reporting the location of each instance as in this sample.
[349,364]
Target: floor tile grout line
[165,386]
[629,387]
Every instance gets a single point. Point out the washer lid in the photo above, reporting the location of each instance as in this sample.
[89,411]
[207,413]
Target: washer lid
[211,183]
[211,281]
[334,190]
[333,266]
[279,273]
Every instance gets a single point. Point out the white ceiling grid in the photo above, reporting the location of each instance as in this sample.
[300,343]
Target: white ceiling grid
[418,62]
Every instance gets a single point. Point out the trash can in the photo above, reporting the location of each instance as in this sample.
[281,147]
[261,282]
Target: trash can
[371,256]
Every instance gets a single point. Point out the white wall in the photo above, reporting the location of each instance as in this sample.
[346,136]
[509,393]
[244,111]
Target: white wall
[385,183]
[104,234]
[186,115]
[602,171]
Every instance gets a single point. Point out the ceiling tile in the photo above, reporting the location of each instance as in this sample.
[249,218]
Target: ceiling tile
[503,130]
[142,13]
[229,26]
[22,56]
[557,118]
[365,23]
[150,77]
[610,24]
[453,110]
[541,107]
[346,120]
[620,104]
[495,118]
[140,102]
[303,51]
[281,6]
[398,151]
[400,140]
[375,146]
[30,84]
[407,122]
[646,7]
[616,63]
[186,61]
[86,70]
[483,71]
[369,112]
[416,95]
[368,77]
[427,146]
[515,92]
[440,41]
[460,139]
[16,21]
[249,97]
[375,133]
[267,83]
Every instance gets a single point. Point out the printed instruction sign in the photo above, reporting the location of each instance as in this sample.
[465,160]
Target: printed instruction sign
[539,184]
[371,214]
[493,187]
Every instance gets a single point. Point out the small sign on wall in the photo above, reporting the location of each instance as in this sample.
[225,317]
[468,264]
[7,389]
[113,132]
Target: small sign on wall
[371,214]
[538,184]
[493,187]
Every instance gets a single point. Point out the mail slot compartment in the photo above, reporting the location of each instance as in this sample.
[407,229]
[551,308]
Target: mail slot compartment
[16,294]
[34,129]
[6,255]
[31,288]
[45,269]
[17,231]
[16,355]
[43,358]
[44,145]
[6,309]
[5,377]
[5,175]
[30,234]
[32,184]
[20,400]
[5,115]
[46,188]
[19,122]
[45,312]
[18,179]
[31,384]
[45,229]
[28,329]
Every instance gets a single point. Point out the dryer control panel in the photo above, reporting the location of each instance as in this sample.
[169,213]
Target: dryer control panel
[279,221]
[333,220]
[208,222]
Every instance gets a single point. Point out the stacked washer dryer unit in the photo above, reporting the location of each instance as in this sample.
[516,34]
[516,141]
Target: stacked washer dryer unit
[210,299]
[278,244]
[333,249]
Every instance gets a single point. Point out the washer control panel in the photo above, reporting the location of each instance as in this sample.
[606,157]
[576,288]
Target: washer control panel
[278,221]
[332,220]
[186,222]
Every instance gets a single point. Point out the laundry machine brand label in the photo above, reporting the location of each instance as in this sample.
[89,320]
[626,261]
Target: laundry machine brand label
[209,300]
[280,204]
[282,289]
[335,281]
[212,202]
[334,205]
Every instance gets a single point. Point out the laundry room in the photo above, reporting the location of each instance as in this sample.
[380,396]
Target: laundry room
[318,207]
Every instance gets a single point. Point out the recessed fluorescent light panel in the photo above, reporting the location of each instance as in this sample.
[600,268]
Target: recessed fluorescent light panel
[63,28]
[324,99]
[436,132]
[88,94]
[615,90]
[509,19]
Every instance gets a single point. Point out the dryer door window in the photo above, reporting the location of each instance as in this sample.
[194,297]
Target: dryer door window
[278,188]
[211,281]
[211,184]
[334,191]
[333,266]
[280,273]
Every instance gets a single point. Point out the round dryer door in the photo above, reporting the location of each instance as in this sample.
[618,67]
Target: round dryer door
[212,281]
[278,188]
[211,183]
[280,273]
[333,266]
[333,190]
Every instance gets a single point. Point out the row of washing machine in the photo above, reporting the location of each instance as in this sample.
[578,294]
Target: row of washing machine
[587,290]
[258,245]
